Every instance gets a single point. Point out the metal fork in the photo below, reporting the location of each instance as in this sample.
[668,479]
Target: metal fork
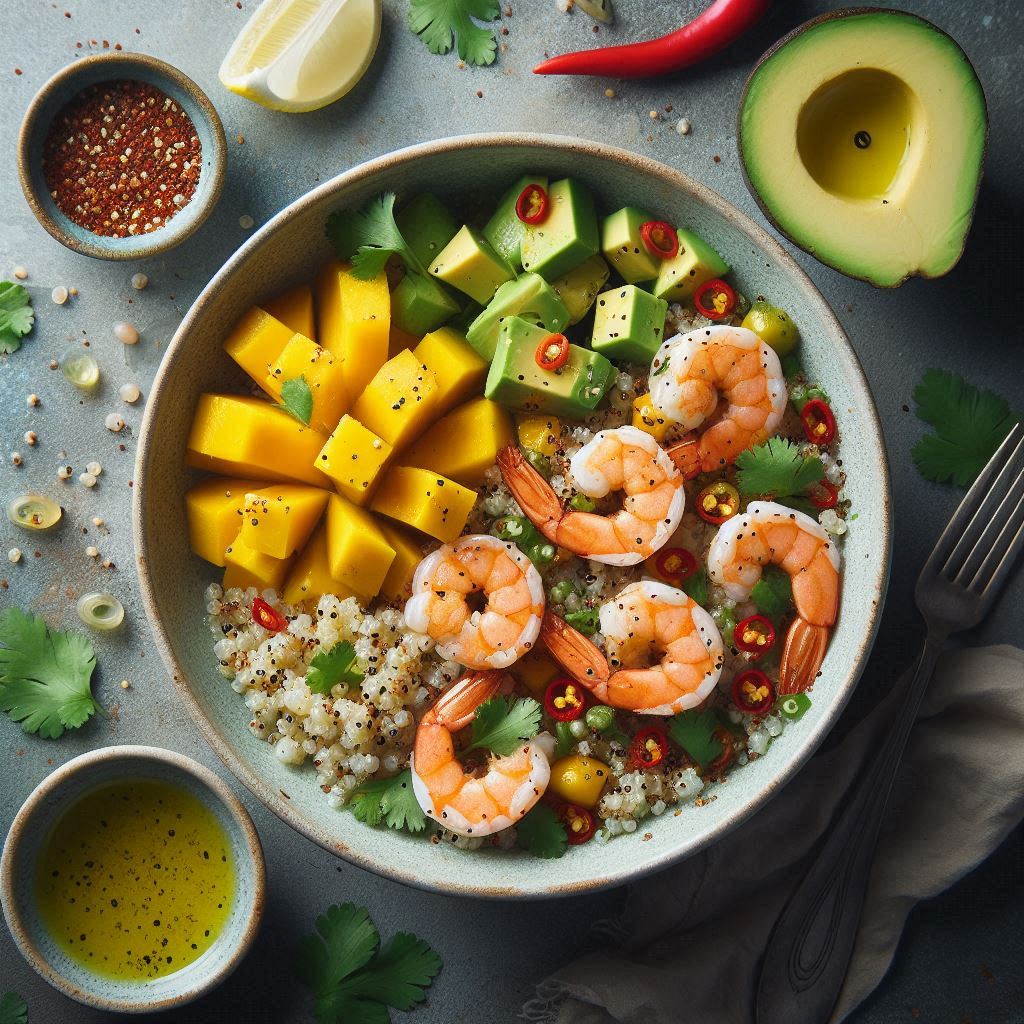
[809,951]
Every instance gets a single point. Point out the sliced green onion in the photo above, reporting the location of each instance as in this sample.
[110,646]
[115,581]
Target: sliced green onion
[581,503]
[34,512]
[100,611]
[560,592]
[81,369]
[794,706]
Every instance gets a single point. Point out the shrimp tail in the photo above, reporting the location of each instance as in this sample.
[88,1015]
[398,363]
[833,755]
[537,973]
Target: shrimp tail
[456,707]
[533,493]
[686,455]
[802,656]
[576,654]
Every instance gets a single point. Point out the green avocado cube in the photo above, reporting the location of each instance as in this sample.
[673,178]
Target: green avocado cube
[568,234]
[529,297]
[517,382]
[629,324]
[580,286]
[426,225]
[505,230]
[420,304]
[469,263]
[623,247]
[695,263]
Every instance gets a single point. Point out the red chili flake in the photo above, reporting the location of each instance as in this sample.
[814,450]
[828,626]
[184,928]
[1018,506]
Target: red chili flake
[122,158]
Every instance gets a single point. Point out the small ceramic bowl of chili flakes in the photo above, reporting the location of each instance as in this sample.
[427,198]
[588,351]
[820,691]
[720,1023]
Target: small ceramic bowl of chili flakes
[121,156]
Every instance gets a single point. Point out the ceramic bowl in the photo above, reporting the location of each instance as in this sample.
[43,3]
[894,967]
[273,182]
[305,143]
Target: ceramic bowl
[50,799]
[106,67]
[288,250]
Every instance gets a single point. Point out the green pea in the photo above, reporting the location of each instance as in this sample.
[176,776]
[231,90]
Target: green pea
[560,592]
[578,728]
[541,554]
[600,717]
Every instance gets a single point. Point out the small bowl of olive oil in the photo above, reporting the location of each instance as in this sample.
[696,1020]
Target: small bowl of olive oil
[132,879]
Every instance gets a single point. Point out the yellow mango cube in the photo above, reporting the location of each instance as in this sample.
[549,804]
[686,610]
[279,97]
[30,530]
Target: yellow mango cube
[244,567]
[256,341]
[294,308]
[464,444]
[646,417]
[310,576]
[304,358]
[214,513]
[457,367]
[399,402]
[354,322]
[353,458]
[357,553]
[424,500]
[540,434]
[535,670]
[278,520]
[397,585]
[239,436]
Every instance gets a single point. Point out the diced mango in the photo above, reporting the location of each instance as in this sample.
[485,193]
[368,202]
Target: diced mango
[239,436]
[540,434]
[354,322]
[399,340]
[244,567]
[535,670]
[647,417]
[399,402]
[214,512]
[310,577]
[278,520]
[424,500]
[457,367]
[357,553]
[256,341]
[464,444]
[353,458]
[304,358]
[408,554]
[294,308]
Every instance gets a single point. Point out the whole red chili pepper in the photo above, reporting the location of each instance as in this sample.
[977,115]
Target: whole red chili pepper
[723,22]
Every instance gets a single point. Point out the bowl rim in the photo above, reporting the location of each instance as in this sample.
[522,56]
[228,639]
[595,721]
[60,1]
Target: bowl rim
[264,791]
[85,763]
[146,245]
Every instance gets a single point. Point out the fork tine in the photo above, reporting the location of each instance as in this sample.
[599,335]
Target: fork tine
[988,541]
[1003,551]
[1003,570]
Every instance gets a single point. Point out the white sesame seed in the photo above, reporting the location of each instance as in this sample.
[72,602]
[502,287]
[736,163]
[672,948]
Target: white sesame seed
[684,127]
[126,333]
[92,552]
[114,423]
[178,200]
[95,468]
[129,393]
[59,295]
[14,555]
[20,273]
[32,400]
[139,281]
[245,222]
[87,479]
[64,472]
[31,437]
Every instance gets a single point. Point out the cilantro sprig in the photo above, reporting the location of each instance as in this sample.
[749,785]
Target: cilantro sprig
[337,665]
[13,1009]
[773,594]
[969,425]
[777,468]
[353,977]
[370,236]
[45,675]
[16,316]
[500,725]
[441,24]
[297,399]
[391,801]
[541,833]
[694,732]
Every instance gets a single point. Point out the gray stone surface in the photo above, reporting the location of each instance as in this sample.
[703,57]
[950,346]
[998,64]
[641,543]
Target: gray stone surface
[960,958]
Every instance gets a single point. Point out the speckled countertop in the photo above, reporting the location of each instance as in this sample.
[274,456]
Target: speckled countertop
[960,957]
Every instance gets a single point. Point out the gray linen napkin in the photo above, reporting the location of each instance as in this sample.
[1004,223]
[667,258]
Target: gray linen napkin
[687,948]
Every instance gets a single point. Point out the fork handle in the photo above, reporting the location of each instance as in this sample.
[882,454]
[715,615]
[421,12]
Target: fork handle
[810,948]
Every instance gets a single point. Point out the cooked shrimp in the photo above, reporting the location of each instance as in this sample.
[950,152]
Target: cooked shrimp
[664,652]
[475,804]
[450,584]
[692,372]
[620,459]
[769,533]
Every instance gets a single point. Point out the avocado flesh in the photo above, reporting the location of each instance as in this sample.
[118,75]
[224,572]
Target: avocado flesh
[873,170]
[529,297]
[505,230]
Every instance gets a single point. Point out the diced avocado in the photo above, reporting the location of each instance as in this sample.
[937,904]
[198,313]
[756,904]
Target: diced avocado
[469,263]
[580,286]
[517,382]
[505,230]
[567,236]
[420,305]
[426,225]
[695,263]
[623,247]
[629,324]
[529,297]
[461,321]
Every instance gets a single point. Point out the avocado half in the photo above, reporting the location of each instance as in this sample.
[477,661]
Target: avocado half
[862,137]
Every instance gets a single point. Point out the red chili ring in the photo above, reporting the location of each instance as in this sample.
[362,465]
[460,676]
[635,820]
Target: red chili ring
[552,353]
[532,205]
[660,239]
[640,755]
[823,494]
[570,815]
[268,617]
[712,288]
[819,421]
[760,625]
[574,703]
[676,563]
[757,679]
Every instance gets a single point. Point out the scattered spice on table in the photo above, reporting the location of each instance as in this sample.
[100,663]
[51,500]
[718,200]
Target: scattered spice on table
[122,158]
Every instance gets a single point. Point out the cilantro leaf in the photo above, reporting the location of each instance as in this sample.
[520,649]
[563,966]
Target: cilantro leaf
[501,725]
[440,24]
[297,399]
[399,974]
[777,468]
[45,675]
[773,593]
[13,1009]
[541,833]
[969,423]
[697,587]
[389,800]
[694,732]
[16,315]
[328,668]
[369,237]
[586,620]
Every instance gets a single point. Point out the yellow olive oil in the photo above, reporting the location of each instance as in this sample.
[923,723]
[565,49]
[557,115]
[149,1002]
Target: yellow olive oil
[136,880]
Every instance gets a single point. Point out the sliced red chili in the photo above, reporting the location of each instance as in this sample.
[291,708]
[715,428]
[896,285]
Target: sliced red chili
[676,564]
[823,494]
[564,700]
[819,421]
[532,205]
[660,239]
[753,692]
[267,616]
[718,502]
[715,299]
[553,352]
[579,824]
[721,762]
[649,747]
[755,635]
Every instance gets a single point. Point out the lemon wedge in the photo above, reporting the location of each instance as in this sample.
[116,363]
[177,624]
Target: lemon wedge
[297,55]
